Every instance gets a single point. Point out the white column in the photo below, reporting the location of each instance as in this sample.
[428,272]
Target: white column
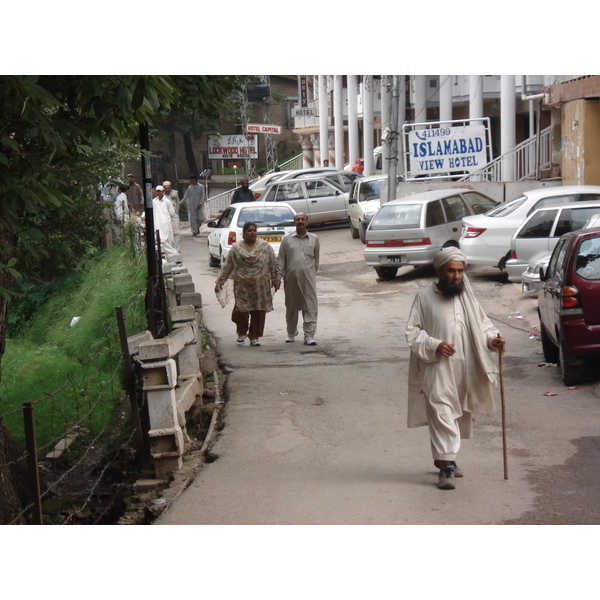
[368,125]
[338,115]
[507,123]
[445,97]
[353,149]
[323,119]
[420,98]
[315,140]
[386,120]
[307,152]
[475,96]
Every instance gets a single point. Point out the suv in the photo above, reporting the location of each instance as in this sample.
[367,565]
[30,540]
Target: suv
[363,203]
[320,198]
[569,303]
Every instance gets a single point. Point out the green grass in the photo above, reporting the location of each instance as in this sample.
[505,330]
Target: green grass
[51,354]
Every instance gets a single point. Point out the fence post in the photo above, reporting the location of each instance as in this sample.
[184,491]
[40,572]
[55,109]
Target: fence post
[32,464]
[131,390]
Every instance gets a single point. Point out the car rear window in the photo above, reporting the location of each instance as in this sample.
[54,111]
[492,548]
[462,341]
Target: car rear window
[369,190]
[587,263]
[505,209]
[479,203]
[272,215]
[398,216]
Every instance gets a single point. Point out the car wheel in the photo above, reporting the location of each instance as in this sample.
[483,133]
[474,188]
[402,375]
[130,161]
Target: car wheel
[551,352]
[353,230]
[362,232]
[571,373]
[386,273]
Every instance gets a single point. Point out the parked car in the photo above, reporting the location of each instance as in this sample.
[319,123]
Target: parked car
[541,231]
[258,186]
[344,179]
[412,230]
[531,282]
[485,239]
[363,202]
[320,198]
[569,303]
[273,222]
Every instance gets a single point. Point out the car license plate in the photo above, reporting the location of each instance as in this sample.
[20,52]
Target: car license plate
[270,238]
[395,259]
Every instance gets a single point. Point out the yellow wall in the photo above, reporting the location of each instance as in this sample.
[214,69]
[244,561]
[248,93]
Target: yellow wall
[581,143]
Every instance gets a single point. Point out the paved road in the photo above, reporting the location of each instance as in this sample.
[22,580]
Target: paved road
[317,435]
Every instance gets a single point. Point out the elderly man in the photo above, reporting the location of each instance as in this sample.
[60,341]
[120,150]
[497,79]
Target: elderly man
[194,197]
[452,374]
[173,196]
[297,264]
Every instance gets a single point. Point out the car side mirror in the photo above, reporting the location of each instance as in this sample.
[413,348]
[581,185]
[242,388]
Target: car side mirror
[211,224]
[542,274]
[352,200]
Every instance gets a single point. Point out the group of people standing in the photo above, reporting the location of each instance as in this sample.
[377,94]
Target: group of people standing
[255,274]
[165,205]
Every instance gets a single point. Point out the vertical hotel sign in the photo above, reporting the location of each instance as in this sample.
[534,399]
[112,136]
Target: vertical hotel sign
[303,92]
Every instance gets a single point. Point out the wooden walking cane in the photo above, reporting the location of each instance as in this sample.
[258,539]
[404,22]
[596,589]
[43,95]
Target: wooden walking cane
[503,415]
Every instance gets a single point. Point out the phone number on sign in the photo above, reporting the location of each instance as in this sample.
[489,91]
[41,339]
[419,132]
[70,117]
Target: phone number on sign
[431,133]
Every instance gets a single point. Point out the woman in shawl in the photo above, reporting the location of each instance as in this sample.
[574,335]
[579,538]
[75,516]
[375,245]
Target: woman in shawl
[252,265]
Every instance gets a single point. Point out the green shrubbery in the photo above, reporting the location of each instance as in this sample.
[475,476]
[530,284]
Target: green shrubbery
[44,351]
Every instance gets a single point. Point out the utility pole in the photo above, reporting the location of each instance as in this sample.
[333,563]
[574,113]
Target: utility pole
[393,139]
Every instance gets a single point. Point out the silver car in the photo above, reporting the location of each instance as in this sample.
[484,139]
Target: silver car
[320,198]
[541,231]
[412,230]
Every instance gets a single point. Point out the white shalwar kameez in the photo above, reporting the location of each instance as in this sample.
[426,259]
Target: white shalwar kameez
[164,215]
[445,392]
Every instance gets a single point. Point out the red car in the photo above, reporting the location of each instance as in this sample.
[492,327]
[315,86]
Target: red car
[569,303]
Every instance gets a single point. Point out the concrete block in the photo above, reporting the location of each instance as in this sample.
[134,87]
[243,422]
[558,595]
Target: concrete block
[182,278]
[162,408]
[183,313]
[193,298]
[134,341]
[186,394]
[184,288]
[159,375]
[188,361]
[163,348]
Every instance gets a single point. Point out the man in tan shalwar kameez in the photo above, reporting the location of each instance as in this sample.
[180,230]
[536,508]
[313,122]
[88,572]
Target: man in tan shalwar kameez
[297,264]
[452,374]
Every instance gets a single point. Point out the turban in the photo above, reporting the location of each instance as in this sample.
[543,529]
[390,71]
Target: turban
[166,183]
[446,254]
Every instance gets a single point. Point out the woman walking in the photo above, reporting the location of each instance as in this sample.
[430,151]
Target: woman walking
[252,266]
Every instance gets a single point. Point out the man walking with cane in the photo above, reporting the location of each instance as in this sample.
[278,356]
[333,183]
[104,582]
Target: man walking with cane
[452,375]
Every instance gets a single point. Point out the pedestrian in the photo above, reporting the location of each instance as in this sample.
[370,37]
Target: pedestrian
[243,193]
[164,216]
[262,173]
[194,197]
[358,166]
[135,196]
[297,264]
[325,163]
[452,375]
[173,196]
[252,266]
[119,213]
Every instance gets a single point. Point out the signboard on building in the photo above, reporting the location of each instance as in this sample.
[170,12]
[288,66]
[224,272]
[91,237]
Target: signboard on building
[446,148]
[232,146]
[303,91]
[264,128]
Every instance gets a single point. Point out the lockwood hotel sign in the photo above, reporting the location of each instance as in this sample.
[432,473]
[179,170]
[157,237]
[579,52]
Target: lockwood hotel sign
[446,148]
[232,146]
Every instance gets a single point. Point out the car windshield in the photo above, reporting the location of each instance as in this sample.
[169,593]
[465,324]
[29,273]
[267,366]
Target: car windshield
[268,215]
[505,209]
[587,264]
[398,216]
[369,190]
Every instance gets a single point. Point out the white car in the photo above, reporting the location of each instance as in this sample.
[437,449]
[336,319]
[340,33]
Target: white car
[363,202]
[485,238]
[541,231]
[273,221]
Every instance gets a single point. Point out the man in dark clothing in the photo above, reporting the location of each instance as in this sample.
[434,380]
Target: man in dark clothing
[244,193]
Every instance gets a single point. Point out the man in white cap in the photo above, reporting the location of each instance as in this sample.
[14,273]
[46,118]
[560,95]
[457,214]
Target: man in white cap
[173,196]
[164,215]
[452,374]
